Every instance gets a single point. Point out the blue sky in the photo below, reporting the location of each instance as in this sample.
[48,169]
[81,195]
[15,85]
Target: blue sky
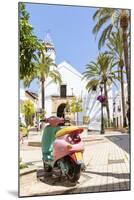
[71,32]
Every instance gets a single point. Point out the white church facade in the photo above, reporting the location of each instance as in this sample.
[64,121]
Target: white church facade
[57,96]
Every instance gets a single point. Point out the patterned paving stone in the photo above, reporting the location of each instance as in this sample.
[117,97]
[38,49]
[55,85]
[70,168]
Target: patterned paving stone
[107,169]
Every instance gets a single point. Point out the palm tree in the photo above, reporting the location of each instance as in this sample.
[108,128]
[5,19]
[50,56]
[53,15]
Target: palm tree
[42,71]
[124,24]
[99,72]
[124,21]
[115,46]
[109,19]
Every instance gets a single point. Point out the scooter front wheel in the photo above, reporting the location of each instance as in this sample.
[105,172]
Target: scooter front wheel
[74,170]
[47,168]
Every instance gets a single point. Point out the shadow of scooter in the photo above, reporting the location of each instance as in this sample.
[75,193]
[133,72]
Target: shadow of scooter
[51,179]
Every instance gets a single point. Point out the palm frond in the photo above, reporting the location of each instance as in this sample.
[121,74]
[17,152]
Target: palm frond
[92,70]
[105,35]
[27,80]
[100,23]
[96,14]
[102,12]
[114,82]
[56,76]
[92,85]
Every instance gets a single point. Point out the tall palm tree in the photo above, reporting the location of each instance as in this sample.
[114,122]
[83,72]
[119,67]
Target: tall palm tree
[109,19]
[42,71]
[115,47]
[125,24]
[98,72]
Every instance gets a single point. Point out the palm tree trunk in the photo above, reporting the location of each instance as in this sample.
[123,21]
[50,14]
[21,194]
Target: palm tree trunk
[125,46]
[124,26]
[107,104]
[125,49]
[43,95]
[123,97]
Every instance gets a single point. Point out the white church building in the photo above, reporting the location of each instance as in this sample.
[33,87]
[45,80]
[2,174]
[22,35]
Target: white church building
[57,96]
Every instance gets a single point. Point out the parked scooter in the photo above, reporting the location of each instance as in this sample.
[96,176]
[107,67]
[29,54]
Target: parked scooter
[67,154]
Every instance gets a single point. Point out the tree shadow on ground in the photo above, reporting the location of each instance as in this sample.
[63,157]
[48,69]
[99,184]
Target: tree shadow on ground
[122,186]
[118,176]
[121,140]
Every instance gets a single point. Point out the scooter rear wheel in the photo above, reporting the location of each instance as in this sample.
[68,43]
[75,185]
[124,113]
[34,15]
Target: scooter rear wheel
[74,170]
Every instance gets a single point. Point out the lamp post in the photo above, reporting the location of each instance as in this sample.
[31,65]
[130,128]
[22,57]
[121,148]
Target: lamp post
[102,124]
[114,112]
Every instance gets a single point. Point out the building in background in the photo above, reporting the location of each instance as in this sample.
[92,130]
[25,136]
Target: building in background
[117,107]
[58,96]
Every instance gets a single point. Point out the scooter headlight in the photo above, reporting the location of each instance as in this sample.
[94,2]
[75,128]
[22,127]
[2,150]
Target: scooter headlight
[74,138]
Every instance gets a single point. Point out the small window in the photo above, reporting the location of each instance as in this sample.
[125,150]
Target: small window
[63,91]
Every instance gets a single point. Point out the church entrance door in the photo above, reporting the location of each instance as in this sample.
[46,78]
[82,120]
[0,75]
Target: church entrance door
[61,110]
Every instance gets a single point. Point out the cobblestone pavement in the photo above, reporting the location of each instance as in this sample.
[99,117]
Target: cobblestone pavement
[107,168]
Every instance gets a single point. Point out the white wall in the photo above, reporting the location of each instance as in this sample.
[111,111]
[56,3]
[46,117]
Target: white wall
[48,106]
[92,107]
[118,103]
[72,78]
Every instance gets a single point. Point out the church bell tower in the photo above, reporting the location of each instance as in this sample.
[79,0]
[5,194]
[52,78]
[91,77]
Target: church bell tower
[49,46]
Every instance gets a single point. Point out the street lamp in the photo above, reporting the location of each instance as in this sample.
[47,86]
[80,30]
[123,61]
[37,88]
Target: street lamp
[102,123]
[114,113]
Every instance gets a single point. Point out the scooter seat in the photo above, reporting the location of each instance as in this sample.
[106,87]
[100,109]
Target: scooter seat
[68,130]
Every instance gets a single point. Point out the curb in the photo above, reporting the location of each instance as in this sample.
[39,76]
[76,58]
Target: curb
[34,143]
[28,170]
[92,140]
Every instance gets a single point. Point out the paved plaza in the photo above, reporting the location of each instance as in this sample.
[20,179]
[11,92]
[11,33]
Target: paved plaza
[107,167]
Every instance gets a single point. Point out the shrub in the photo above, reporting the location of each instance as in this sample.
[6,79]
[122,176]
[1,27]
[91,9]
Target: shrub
[22,124]
[28,110]
[23,165]
[24,131]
